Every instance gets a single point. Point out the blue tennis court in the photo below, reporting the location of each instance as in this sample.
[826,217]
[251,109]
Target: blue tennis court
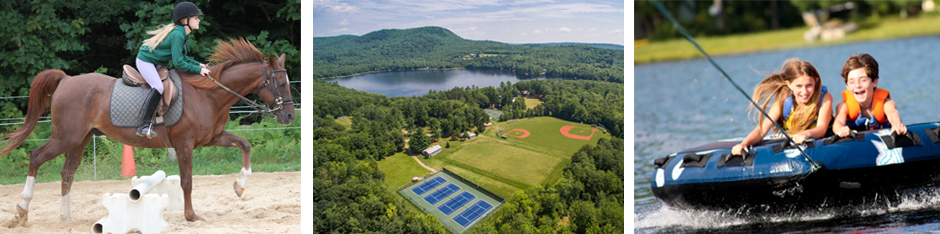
[427,186]
[456,202]
[450,206]
[442,193]
[473,213]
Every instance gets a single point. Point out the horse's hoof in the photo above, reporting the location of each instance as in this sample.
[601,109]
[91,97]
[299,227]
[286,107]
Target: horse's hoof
[194,218]
[238,189]
[21,217]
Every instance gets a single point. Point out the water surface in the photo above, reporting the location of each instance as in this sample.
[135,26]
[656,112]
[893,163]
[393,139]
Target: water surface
[683,104]
[418,83]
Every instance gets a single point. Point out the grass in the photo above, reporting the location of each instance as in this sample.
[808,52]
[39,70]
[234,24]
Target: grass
[346,122]
[532,103]
[545,136]
[496,187]
[504,159]
[399,169]
[499,165]
[271,150]
[871,29]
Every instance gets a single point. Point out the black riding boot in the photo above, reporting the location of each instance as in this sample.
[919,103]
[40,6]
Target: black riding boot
[146,122]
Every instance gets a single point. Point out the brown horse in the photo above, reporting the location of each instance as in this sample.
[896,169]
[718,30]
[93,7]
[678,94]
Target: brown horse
[80,105]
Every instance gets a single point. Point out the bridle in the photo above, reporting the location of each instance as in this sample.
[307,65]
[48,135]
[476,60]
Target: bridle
[272,86]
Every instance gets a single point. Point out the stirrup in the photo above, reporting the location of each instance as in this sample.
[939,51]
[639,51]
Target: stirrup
[146,131]
[150,133]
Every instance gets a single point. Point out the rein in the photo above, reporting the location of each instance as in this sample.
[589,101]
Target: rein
[278,101]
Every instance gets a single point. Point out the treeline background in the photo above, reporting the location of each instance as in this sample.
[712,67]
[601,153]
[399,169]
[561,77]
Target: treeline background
[702,18]
[102,35]
[439,48]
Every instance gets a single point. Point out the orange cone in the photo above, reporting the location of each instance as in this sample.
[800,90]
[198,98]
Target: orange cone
[128,169]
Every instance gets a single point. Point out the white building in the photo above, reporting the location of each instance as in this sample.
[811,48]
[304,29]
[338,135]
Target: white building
[431,151]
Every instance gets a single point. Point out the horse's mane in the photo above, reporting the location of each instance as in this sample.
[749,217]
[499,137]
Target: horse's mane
[226,54]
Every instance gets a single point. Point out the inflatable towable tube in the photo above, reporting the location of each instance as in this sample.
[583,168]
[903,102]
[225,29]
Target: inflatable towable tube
[774,173]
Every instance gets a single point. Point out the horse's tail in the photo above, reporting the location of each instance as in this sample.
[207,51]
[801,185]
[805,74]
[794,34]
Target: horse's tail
[43,86]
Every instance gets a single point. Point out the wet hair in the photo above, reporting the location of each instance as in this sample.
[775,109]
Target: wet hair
[775,88]
[860,60]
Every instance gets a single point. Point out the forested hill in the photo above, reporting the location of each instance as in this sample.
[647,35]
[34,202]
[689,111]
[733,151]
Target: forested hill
[439,48]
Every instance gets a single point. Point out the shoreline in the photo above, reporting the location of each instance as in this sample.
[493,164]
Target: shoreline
[886,28]
[383,71]
[444,69]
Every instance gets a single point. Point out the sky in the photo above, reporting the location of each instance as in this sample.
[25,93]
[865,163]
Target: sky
[518,21]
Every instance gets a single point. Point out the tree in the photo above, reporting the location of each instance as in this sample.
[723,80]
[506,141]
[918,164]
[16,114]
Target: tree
[587,196]
[100,36]
[54,35]
[419,141]
[435,128]
[350,196]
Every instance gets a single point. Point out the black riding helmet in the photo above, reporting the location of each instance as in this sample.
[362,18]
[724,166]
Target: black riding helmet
[184,10]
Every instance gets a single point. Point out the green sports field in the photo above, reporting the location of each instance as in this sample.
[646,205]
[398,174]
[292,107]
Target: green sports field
[502,166]
[545,133]
[504,160]
[535,152]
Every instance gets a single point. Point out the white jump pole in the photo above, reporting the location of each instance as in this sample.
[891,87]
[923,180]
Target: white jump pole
[147,185]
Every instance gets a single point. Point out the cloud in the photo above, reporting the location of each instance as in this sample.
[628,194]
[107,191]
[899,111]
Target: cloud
[517,14]
[468,29]
[499,20]
[436,6]
[527,2]
[334,5]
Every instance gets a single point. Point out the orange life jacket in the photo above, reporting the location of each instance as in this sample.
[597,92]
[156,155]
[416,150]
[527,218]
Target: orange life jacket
[877,105]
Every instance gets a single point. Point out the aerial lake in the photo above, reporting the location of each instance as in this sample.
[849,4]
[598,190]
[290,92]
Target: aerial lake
[418,83]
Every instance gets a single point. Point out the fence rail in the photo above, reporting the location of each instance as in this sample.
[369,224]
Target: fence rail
[95,143]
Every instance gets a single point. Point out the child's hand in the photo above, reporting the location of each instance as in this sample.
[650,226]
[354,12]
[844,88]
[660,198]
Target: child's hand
[203,65]
[900,129]
[799,138]
[737,149]
[841,131]
[204,72]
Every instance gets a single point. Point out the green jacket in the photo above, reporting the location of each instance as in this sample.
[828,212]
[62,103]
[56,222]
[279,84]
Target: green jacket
[175,47]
